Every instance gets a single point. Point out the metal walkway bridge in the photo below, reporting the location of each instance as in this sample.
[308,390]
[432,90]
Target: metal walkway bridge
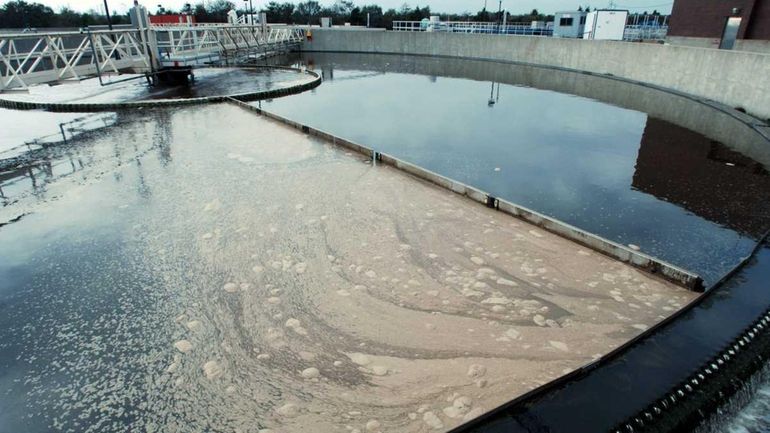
[33,58]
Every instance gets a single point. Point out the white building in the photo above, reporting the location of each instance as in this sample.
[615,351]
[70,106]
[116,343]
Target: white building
[569,24]
[605,24]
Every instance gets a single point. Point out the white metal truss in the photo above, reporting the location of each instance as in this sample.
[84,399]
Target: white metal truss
[192,44]
[27,59]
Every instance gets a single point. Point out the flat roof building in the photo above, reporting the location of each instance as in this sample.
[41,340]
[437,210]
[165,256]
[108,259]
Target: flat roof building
[569,24]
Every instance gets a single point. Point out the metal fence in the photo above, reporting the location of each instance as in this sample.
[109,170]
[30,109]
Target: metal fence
[652,30]
[523,29]
[645,33]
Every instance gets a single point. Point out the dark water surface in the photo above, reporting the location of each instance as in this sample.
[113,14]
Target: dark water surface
[616,172]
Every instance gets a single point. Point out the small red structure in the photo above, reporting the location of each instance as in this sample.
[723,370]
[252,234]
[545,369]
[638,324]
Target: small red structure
[172,19]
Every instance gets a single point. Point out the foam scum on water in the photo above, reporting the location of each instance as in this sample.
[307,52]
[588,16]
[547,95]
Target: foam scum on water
[249,278]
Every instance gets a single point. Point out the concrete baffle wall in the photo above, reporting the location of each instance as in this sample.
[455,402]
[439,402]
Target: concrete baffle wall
[736,79]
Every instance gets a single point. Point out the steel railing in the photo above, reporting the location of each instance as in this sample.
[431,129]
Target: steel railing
[472,27]
[27,58]
[33,58]
[652,31]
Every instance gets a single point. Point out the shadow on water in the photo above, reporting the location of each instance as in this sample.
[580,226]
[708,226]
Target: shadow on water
[704,177]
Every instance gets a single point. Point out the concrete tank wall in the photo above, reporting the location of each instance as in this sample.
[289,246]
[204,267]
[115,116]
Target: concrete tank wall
[737,79]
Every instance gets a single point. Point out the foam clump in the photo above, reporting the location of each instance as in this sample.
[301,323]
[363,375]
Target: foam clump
[296,326]
[459,407]
[379,370]
[476,370]
[373,425]
[212,369]
[194,325]
[432,420]
[310,373]
[183,346]
[360,359]
[288,410]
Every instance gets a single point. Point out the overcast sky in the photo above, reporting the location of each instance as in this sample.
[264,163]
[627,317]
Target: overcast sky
[451,6]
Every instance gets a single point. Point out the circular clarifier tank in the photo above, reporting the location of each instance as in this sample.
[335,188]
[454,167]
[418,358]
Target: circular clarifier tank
[206,85]
[205,268]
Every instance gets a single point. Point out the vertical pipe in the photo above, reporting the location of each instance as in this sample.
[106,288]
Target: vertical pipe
[63,136]
[499,15]
[107,11]
[96,59]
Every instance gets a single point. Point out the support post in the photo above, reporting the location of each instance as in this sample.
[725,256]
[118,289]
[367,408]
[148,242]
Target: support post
[95,57]
[107,11]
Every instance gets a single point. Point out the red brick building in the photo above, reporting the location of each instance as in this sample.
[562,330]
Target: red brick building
[701,22]
[172,19]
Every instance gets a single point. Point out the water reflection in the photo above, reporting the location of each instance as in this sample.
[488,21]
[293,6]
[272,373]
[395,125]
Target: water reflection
[704,177]
[163,136]
[29,175]
[562,143]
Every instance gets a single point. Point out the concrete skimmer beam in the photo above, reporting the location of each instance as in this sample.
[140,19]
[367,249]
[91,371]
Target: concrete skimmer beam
[607,247]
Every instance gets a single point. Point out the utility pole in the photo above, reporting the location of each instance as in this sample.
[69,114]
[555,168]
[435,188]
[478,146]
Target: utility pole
[107,11]
[250,11]
[109,25]
[499,15]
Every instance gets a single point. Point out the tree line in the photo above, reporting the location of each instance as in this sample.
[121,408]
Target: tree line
[345,11]
[21,14]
